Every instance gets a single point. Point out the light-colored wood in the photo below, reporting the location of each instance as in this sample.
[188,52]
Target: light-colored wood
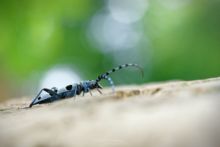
[169,114]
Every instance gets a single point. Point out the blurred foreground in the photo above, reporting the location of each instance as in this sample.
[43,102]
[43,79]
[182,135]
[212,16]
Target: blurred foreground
[168,114]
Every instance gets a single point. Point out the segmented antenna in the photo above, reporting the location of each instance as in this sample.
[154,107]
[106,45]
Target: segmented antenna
[103,76]
[110,82]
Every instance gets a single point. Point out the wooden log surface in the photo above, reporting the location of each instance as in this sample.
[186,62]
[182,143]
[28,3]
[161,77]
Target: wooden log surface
[169,114]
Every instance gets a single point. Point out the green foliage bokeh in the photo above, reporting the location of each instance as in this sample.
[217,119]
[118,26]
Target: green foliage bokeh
[36,34]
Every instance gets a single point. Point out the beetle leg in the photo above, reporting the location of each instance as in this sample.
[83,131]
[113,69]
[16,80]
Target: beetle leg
[99,90]
[49,91]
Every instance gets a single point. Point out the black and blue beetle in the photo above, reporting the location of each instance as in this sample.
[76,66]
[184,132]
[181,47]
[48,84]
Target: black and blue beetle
[72,90]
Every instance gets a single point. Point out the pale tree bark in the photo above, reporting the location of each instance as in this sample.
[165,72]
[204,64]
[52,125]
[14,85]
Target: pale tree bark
[169,114]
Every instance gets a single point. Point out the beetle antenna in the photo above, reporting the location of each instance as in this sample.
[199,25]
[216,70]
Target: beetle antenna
[104,75]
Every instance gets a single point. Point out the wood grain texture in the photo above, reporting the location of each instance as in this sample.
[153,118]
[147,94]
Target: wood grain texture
[170,114]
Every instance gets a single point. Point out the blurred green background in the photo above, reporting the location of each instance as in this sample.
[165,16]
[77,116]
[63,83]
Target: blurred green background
[53,43]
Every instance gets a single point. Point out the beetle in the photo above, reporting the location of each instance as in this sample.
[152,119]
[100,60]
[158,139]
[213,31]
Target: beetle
[72,90]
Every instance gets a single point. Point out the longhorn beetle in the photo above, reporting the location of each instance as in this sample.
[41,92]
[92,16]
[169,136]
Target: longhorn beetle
[72,90]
